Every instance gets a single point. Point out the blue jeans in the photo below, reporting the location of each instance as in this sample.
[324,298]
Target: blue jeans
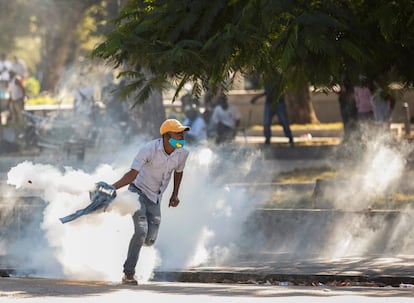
[280,110]
[146,225]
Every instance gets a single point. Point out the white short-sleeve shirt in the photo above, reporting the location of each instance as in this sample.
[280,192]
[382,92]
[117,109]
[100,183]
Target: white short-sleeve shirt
[227,116]
[155,168]
[15,90]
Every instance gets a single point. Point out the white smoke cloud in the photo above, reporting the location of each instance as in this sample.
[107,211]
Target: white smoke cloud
[94,246]
[357,216]
[209,221]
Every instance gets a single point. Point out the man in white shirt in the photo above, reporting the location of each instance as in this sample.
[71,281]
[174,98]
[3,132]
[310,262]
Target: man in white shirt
[19,66]
[225,119]
[149,176]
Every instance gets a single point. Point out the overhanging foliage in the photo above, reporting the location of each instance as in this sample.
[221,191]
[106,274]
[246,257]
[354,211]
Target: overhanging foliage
[299,42]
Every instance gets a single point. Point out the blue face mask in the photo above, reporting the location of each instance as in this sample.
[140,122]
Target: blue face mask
[176,143]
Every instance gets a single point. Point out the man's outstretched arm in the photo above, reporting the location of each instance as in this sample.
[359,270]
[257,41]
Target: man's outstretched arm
[126,179]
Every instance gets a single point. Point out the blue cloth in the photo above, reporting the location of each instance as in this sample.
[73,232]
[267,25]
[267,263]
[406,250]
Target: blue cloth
[101,197]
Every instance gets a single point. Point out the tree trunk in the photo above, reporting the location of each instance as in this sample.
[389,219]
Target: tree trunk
[57,45]
[300,108]
[146,118]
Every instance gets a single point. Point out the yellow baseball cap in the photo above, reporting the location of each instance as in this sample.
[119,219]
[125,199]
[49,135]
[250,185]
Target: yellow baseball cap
[172,125]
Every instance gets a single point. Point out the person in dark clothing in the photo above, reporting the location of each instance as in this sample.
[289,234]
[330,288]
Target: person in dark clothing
[347,107]
[272,108]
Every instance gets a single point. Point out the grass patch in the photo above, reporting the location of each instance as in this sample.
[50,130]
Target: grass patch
[291,199]
[41,100]
[301,200]
[317,126]
[401,200]
[297,127]
[46,99]
[304,200]
[308,174]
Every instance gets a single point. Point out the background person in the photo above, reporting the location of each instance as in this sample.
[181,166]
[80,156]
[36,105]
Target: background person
[363,103]
[5,67]
[20,67]
[225,120]
[380,106]
[348,108]
[272,108]
[17,95]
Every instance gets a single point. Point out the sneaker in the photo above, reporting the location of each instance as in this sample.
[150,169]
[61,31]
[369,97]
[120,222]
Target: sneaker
[129,279]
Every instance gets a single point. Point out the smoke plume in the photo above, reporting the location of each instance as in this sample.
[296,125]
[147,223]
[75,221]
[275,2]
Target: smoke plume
[94,246]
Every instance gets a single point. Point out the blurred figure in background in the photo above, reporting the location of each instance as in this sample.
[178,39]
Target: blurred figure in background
[225,120]
[272,108]
[380,106]
[17,95]
[363,103]
[83,97]
[348,108]
[198,127]
[5,67]
[19,66]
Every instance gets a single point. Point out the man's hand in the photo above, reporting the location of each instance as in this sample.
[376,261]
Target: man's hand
[174,201]
[106,189]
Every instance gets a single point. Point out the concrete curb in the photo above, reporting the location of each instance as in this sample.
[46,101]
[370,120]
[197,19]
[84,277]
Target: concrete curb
[279,279]
[279,269]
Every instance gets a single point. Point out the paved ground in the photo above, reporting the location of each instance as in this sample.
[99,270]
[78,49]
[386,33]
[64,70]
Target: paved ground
[55,291]
[271,269]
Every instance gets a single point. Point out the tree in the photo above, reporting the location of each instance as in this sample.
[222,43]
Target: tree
[51,35]
[63,29]
[306,42]
[14,21]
